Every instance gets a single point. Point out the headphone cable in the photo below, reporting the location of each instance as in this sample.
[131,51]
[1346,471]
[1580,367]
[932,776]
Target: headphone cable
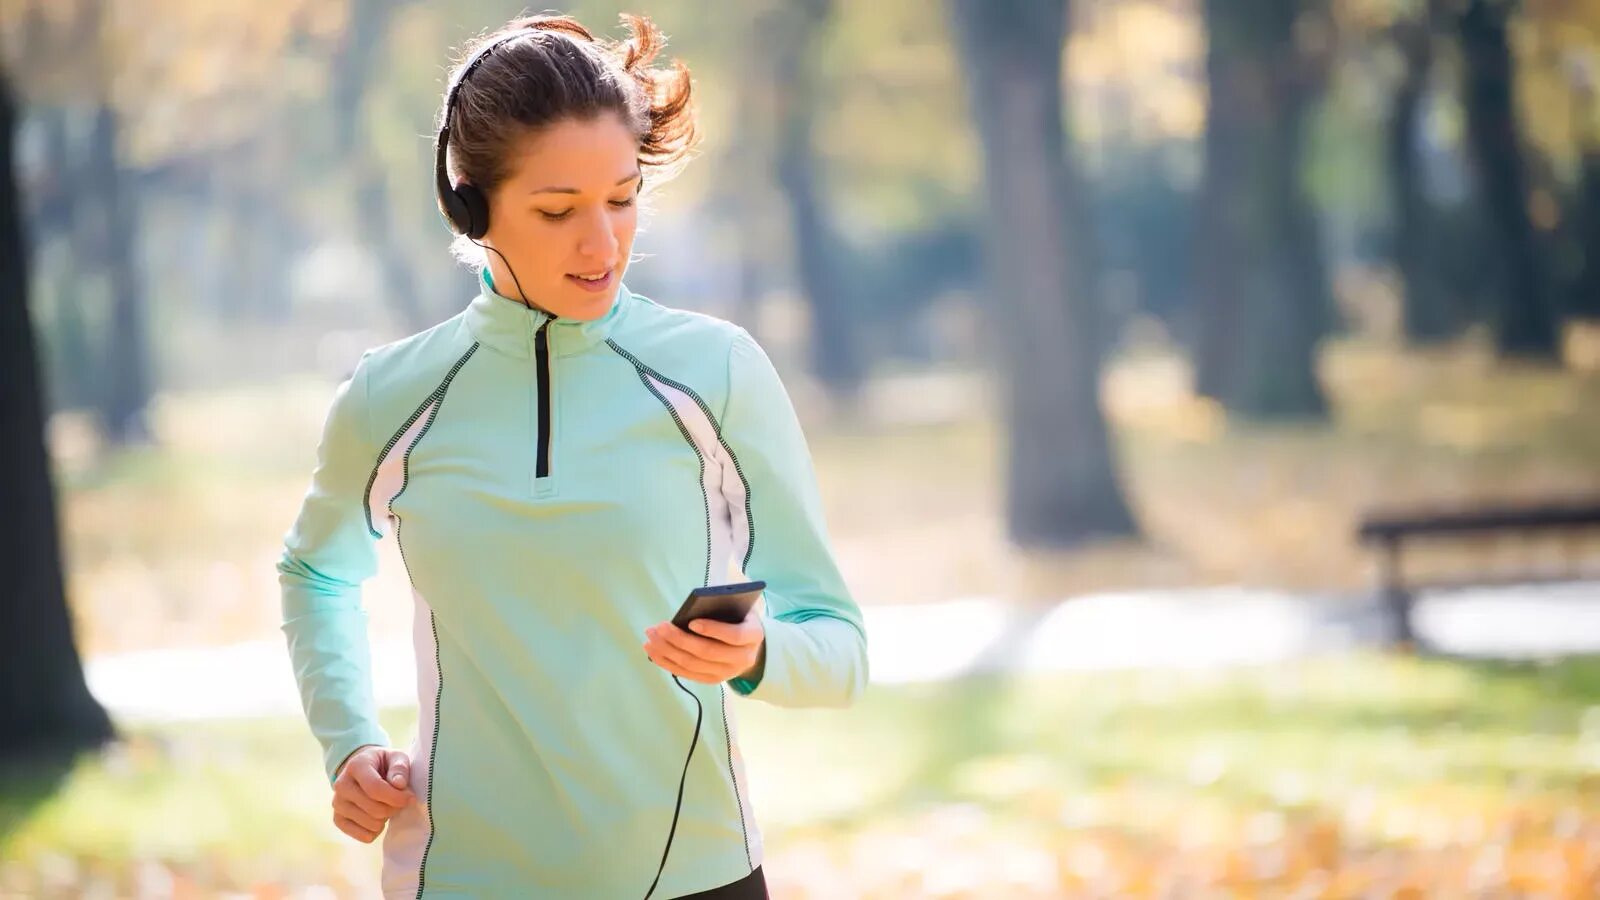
[699,711]
[699,708]
[526,300]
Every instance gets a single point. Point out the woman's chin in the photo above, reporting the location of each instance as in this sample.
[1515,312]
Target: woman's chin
[583,306]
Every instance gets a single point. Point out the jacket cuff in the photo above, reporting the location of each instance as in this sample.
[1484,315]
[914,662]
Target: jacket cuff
[335,752]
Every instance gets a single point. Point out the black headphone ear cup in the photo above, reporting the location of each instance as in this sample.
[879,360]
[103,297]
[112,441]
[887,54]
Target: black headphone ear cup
[455,210]
[474,219]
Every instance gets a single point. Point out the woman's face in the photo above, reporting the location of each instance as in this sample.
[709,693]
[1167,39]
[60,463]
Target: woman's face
[565,217]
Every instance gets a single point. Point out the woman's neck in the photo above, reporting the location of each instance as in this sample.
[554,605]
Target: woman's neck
[488,278]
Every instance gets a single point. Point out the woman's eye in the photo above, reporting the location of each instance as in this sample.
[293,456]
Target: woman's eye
[624,204]
[555,217]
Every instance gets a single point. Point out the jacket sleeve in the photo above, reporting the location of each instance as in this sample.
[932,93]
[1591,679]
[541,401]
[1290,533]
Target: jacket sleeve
[816,645]
[327,554]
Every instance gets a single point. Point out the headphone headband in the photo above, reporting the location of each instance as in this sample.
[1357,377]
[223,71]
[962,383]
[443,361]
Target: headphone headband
[464,205]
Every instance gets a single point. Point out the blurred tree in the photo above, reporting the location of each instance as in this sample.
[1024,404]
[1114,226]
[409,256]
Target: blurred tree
[197,127]
[110,250]
[127,344]
[792,30]
[1062,485]
[1265,302]
[354,68]
[1145,215]
[95,202]
[895,275]
[74,372]
[45,706]
[1583,299]
[1427,315]
[108,92]
[902,164]
[744,222]
[1555,51]
[1524,320]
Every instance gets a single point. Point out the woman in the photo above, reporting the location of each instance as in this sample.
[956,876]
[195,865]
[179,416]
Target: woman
[560,463]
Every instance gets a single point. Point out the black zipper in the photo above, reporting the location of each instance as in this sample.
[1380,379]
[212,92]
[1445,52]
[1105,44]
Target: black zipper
[541,356]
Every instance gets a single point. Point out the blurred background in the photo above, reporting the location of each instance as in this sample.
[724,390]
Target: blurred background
[1205,396]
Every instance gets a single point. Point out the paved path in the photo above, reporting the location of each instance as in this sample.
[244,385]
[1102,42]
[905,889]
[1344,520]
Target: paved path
[934,642]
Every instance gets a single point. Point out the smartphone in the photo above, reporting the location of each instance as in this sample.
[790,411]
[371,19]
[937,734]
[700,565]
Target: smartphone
[723,602]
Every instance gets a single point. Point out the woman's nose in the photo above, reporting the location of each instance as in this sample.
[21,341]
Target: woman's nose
[598,240]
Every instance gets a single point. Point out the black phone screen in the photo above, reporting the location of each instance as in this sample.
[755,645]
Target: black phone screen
[729,603]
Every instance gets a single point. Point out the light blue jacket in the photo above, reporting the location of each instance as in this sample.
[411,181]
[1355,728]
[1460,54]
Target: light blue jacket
[555,488]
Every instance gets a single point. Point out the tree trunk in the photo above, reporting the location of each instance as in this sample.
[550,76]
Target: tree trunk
[256,280]
[1265,302]
[1585,301]
[1426,315]
[75,364]
[73,371]
[738,197]
[1062,484]
[123,411]
[46,710]
[1216,246]
[376,217]
[353,66]
[819,259]
[1525,323]
[1583,291]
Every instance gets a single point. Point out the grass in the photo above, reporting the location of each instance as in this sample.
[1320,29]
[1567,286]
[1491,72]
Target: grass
[1050,786]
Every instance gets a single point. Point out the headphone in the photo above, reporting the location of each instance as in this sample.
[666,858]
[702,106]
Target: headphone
[465,206]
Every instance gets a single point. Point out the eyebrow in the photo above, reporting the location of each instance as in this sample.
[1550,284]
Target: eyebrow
[567,190]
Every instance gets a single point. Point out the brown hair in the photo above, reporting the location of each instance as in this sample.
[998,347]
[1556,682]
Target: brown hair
[555,69]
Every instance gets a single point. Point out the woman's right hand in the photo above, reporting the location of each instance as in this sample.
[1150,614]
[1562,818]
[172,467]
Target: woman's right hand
[372,785]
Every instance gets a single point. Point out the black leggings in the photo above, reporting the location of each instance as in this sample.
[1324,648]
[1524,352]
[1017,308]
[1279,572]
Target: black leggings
[750,887]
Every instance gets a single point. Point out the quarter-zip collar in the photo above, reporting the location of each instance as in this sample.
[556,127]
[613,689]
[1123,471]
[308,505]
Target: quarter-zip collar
[508,325]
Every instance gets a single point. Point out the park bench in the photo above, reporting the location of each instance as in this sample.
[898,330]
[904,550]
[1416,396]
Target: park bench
[1565,521]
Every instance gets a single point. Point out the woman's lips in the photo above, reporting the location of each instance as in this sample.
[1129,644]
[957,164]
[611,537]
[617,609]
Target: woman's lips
[594,286]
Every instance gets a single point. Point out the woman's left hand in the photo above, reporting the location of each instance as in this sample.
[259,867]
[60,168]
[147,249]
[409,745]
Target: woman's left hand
[711,652]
